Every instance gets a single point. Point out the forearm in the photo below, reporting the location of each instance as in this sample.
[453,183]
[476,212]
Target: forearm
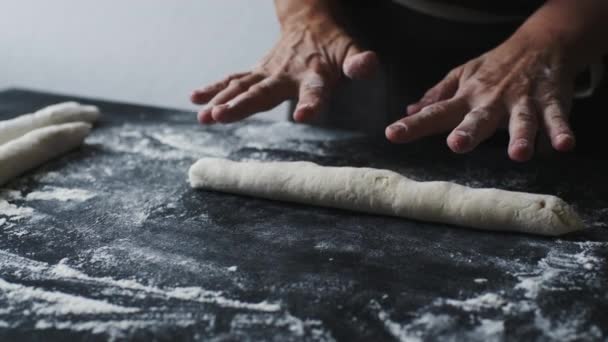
[578,27]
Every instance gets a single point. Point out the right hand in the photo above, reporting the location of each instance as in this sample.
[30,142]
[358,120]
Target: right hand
[306,63]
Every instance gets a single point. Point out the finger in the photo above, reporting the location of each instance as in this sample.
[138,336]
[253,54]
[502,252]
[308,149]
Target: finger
[434,119]
[557,127]
[444,90]
[204,116]
[260,97]
[523,127]
[312,95]
[478,125]
[360,64]
[235,87]
[204,94]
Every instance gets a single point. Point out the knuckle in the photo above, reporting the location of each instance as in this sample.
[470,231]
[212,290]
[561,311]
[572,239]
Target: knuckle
[548,98]
[260,87]
[555,117]
[237,84]
[525,116]
[233,76]
[434,109]
[256,90]
[482,114]
[432,95]
[454,74]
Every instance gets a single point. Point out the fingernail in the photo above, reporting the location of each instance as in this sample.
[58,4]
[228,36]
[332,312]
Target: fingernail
[521,143]
[565,141]
[204,110]
[398,129]
[411,108]
[464,135]
[303,106]
[462,145]
[221,108]
[564,137]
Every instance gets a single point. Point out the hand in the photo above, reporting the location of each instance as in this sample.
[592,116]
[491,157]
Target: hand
[307,62]
[524,84]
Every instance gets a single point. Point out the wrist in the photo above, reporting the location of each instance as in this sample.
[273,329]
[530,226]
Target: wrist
[306,13]
[550,47]
[572,29]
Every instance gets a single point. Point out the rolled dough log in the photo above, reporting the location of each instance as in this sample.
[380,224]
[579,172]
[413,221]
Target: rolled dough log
[39,146]
[51,115]
[388,193]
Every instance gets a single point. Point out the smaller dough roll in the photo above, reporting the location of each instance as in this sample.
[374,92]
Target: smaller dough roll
[39,146]
[388,193]
[52,115]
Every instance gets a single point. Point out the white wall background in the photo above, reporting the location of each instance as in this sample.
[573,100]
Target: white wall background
[142,51]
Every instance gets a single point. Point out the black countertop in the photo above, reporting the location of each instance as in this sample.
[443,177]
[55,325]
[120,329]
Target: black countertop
[111,242]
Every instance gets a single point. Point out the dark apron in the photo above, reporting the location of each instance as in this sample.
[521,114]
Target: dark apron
[416,51]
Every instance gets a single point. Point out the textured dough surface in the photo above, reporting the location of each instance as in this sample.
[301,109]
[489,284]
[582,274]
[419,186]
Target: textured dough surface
[39,146]
[52,115]
[388,193]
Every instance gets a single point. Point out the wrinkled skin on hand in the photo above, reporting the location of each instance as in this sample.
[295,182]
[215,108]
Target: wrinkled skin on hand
[306,63]
[523,85]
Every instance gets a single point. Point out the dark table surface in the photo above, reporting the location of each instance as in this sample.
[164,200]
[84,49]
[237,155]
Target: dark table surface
[110,242]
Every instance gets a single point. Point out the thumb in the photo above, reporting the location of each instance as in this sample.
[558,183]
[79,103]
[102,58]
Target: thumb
[359,64]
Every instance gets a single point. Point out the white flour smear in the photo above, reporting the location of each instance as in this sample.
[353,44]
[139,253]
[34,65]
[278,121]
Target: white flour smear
[162,142]
[283,131]
[42,302]
[51,193]
[112,329]
[485,301]
[308,328]
[200,145]
[61,271]
[14,212]
[48,307]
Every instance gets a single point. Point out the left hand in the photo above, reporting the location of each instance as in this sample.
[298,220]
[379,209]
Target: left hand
[524,84]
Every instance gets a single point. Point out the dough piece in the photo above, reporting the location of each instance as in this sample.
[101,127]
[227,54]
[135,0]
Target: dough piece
[52,115]
[39,146]
[388,193]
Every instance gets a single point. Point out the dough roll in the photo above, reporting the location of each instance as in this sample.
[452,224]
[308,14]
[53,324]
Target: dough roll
[52,115]
[388,193]
[39,146]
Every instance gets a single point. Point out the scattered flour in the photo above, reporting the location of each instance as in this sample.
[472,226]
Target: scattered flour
[184,142]
[489,330]
[62,271]
[48,307]
[559,270]
[162,142]
[285,130]
[568,330]
[14,212]
[55,303]
[308,328]
[415,330]
[485,301]
[60,194]
[215,297]
[114,330]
